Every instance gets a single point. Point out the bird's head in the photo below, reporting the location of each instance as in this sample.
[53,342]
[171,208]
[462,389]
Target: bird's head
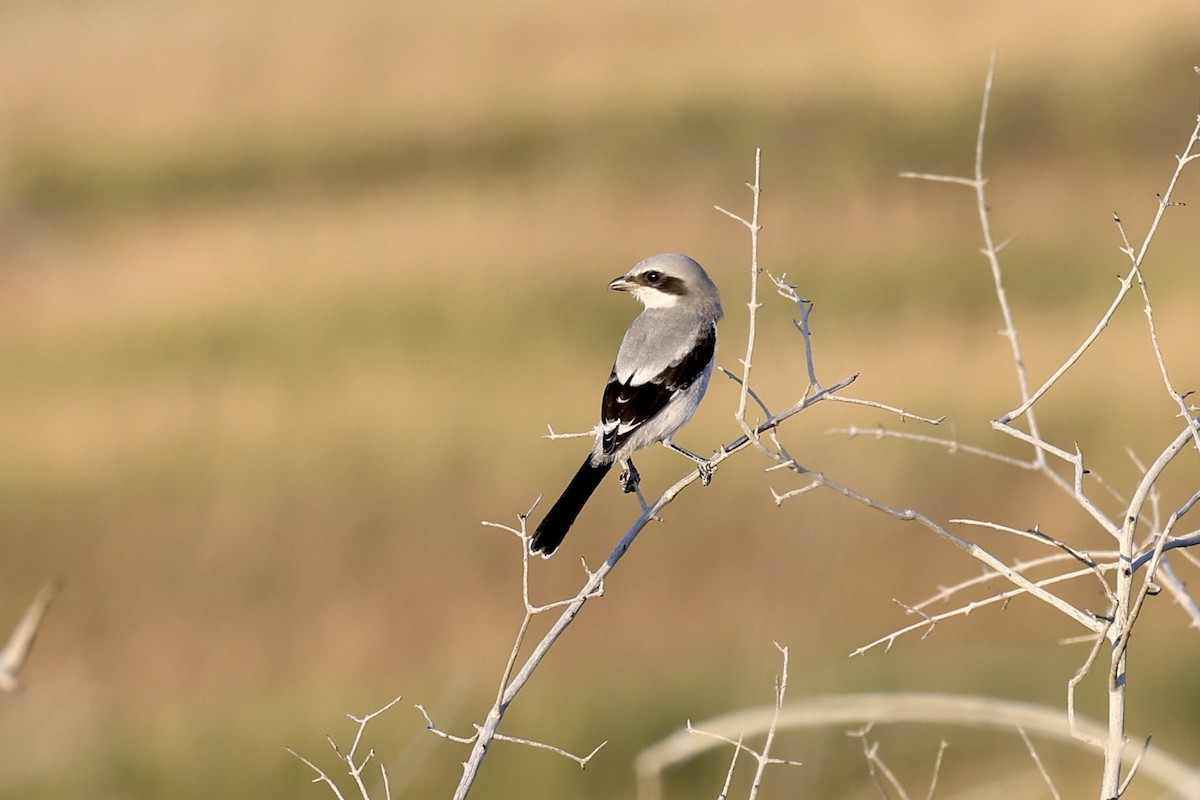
[668,280]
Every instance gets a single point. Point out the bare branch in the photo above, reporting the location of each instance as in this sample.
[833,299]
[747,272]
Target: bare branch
[945,593]
[876,766]
[737,751]
[926,176]
[937,768]
[1073,684]
[837,711]
[1037,760]
[1126,283]
[900,412]
[805,307]
[1133,768]
[753,395]
[20,641]
[762,758]
[1148,309]
[582,761]
[928,621]
[552,436]
[354,768]
[753,305]
[970,548]
[321,776]
[1178,590]
[434,729]
[952,446]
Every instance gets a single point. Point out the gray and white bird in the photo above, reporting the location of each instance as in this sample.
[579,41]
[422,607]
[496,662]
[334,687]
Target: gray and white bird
[657,381]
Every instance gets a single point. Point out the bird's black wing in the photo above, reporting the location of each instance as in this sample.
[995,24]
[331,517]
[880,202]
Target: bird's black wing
[626,406]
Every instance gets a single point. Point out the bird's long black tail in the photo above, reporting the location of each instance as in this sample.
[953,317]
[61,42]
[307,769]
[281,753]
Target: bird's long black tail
[562,514]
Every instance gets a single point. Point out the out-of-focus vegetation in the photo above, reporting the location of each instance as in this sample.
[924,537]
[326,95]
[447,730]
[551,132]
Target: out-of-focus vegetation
[288,293]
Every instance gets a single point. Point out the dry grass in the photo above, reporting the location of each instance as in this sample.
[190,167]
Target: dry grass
[288,293]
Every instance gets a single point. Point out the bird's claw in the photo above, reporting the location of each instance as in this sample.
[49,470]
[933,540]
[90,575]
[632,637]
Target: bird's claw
[630,478]
[706,469]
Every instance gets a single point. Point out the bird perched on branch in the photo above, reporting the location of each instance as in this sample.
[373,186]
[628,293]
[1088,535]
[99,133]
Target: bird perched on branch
[657,381]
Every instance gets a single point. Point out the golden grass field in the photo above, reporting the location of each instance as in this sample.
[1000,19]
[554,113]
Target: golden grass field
[289,293]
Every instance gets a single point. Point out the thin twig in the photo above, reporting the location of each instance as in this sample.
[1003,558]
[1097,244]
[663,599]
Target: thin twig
[951,446]
[928,621]
[353,768]
[1126,283]
[762,758]
[904,414]
[1037,760]
[753,305]
[876,766]
[970,548]
[937,768]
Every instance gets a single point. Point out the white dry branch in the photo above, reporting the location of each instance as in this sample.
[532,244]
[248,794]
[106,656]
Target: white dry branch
[881,774]
[762,758]
[898,708]
[20,641]
[354,765]
[1037,761]
[1129,573]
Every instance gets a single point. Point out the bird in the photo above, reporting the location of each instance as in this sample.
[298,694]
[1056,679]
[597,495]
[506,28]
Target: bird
[660,374]
[13,656]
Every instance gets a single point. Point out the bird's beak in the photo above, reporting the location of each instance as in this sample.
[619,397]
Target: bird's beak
[622,284]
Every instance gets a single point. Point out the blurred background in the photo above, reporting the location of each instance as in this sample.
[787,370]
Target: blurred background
[290,291]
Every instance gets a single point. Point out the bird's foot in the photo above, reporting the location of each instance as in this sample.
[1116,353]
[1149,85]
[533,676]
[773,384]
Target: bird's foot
[705,466]
[630,479]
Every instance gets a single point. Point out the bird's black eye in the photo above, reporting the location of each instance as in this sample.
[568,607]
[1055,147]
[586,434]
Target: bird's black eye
[653,276]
